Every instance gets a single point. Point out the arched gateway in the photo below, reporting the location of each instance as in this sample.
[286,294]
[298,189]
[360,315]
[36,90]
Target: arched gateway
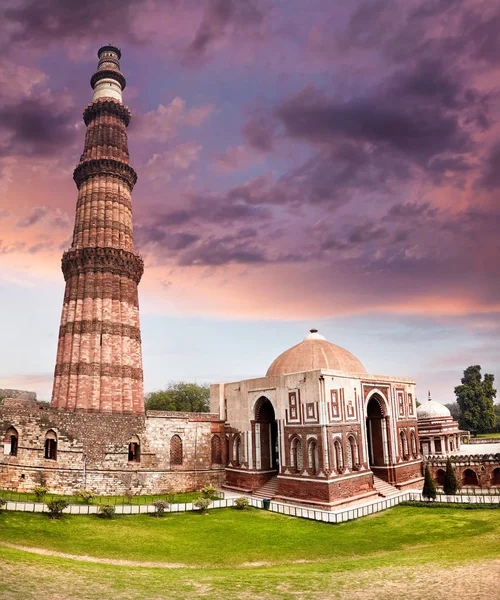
[376,432]
[266,435]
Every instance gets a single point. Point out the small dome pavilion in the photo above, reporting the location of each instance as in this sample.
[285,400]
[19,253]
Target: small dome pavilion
[439,433]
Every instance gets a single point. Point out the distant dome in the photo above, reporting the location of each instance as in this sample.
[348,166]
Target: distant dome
[432,410]
[315,352]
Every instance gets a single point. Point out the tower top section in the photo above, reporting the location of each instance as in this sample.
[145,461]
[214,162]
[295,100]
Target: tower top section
[108,81]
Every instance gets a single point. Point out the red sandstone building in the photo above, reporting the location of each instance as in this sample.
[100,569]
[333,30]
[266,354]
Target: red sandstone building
[320,428]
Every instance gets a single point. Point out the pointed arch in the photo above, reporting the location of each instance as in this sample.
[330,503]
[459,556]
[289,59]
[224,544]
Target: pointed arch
[338,456]
[237,450]
[313,456]
[216,450]
[413,441]
[352,452]
[404,444]
[176,457]
[134,449]
[50,448]
[11,441]
[296,457]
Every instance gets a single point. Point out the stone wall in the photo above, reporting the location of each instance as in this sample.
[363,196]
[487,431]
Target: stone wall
[485,467]
[93,451]
[9,393]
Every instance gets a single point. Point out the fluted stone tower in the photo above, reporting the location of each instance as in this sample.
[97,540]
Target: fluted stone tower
[99,359]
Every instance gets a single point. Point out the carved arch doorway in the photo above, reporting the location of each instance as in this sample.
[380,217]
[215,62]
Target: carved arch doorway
[266,436]
[376,433]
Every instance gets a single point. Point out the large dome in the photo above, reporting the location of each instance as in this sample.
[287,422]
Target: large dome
[314,352]
[432,410]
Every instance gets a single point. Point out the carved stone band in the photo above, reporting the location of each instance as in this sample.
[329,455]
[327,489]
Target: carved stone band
[105,166]
[104,327]
[99,369]
[108,74]
[109,260]
[110,107]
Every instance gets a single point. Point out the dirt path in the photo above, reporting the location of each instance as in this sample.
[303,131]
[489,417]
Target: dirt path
[94,559]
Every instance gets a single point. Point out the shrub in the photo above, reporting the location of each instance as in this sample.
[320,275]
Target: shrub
[450,486]
[86,496]
[241,503]
[3,502]
[40,491]
[429,490]
[56,506]
[160,507]
[107,511]
[202,504]
[209,492]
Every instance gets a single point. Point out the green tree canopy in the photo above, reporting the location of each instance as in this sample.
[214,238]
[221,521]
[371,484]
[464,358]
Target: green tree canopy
[180,396]
[475,399]
[454,410]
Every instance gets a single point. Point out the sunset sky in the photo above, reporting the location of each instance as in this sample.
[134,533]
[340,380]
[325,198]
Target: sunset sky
[301,163]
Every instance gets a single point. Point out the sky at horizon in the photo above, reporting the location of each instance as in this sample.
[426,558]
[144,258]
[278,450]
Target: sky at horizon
[319,164]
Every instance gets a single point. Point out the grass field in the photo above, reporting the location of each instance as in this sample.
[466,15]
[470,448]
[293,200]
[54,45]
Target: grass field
[73,499]
[405,552]
[488,435]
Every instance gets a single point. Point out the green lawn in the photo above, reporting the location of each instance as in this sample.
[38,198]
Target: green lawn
[148,499]
[298,558]
[488,435]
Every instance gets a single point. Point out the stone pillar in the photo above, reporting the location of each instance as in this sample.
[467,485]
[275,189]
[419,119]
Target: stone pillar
[432,449]
[386,435]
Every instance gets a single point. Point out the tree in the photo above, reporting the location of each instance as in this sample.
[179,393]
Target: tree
[180,396]
[429,490]
[475,399]
[450,486]
[454,410]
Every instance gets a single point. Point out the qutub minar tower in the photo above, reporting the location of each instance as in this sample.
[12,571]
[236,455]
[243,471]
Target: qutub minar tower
[99,362]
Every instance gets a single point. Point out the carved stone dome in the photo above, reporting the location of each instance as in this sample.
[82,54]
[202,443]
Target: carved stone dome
[432,410]
[315,352]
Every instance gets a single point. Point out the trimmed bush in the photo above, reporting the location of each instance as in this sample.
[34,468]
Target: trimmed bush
[56,506]
[450,486]
[202,504]
[3,502]
[86,496]
[106,511]
[160,507]
[209,492]
[241,503]
[429,490]
[40,492]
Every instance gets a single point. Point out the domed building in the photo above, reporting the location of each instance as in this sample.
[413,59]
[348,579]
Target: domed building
[439,433]
[318,429]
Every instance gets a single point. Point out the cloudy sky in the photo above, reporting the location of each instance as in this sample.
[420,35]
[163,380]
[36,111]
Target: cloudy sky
[319,163]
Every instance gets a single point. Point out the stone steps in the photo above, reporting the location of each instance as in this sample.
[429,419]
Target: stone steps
[383,488]
[268,490]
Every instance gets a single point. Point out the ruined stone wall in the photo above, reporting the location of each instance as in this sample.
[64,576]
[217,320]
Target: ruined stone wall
[23,394]
[93,451]
[486,468]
